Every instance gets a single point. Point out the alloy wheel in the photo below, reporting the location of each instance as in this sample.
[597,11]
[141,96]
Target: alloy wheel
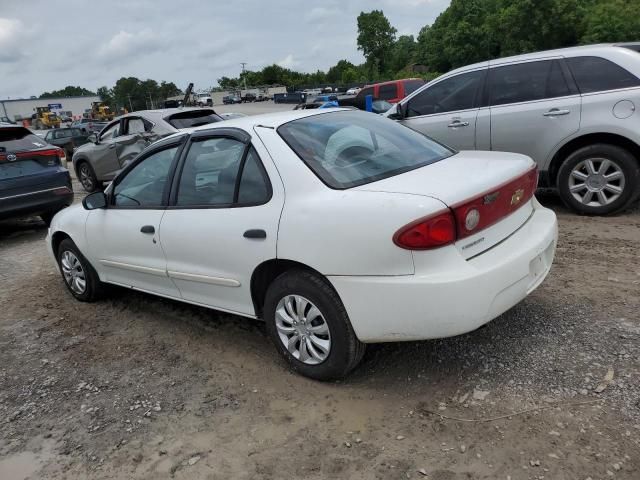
[73,272]
[596,182]
[303,330]
[86,177]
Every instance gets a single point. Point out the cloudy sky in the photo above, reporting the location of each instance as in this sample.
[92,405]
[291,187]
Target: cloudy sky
[47,45]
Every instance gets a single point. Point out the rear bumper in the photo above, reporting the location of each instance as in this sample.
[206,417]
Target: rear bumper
[48,193]
[459,298]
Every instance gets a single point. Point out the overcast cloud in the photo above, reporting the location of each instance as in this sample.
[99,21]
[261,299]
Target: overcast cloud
[47,45]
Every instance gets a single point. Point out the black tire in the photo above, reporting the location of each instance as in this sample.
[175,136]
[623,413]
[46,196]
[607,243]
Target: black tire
[618,156]
[345,351]
[87,176]
[94,288]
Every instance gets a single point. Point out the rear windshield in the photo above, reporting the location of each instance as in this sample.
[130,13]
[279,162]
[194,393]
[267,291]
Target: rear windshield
[14,139]
[350,148]
[192,118]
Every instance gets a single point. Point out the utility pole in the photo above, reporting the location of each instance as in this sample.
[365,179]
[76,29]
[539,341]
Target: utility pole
[243,77]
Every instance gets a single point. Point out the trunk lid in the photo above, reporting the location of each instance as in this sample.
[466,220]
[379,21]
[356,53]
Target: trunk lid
[498,185]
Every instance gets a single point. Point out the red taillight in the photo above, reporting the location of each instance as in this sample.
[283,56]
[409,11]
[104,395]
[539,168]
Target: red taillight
[492,206]
[430,232]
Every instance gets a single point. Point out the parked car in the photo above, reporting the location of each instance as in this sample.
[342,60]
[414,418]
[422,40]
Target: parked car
[67,139]
[88,125]
[124,138]
[572,110]
[7,120]
[249,97]
[231,99]
[32,179]
[337,227]
[353,91]
[391,92]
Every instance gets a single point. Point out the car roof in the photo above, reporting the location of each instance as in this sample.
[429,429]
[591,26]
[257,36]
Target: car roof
[162,113]
[268,120]
[392,81]
[581,50]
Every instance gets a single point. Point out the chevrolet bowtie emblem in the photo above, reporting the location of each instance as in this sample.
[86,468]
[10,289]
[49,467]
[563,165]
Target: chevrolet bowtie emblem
[517,196]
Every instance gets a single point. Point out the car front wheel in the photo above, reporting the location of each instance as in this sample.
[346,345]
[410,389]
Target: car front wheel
[599,179]
[79,276]
[309,326]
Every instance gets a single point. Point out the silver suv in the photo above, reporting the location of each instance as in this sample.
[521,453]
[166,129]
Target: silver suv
[572,110]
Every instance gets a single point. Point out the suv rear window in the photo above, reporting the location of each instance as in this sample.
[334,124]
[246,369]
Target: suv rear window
[192,118]
[350,148]
[596,74]
[388,91]
[18,138]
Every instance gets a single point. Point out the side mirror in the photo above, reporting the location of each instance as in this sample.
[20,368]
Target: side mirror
[398,112]
[94,201]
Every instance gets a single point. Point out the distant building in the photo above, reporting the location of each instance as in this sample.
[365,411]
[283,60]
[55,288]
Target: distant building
[25,107]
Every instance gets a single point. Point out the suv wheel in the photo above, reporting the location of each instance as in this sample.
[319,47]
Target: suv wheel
[599,179]
[309,326]
[87,177]
[79,277]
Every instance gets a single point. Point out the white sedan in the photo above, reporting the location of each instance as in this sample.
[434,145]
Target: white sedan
[337,227]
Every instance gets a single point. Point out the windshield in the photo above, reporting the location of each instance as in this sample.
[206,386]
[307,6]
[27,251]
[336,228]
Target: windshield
[18,138]
[349,148]
[193,118]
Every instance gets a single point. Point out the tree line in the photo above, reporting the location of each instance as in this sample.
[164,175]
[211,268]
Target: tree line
[468,31]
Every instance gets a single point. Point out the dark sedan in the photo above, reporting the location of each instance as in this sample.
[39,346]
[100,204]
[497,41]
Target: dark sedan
[67,139]
[32,178]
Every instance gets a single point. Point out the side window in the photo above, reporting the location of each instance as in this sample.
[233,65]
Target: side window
[595,74]
[388,92]
[526,82]
[48,136]
[450,95]
[77,132]
[143,186]
[364,92]
[209,173]
[135,125]
[110,132]
[254,183]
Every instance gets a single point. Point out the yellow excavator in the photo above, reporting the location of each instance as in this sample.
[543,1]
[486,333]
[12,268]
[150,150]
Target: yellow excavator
[101,112]
[44,118]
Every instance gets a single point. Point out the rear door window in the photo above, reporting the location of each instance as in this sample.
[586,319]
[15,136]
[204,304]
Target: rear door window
[388,92]
[450,95]
[135,125]
[526,82]
[595,74]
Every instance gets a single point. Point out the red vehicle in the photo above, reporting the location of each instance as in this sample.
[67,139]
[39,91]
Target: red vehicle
[392,92]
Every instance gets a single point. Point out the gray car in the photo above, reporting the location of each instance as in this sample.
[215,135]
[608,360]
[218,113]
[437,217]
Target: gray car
[572,110]
[124,138]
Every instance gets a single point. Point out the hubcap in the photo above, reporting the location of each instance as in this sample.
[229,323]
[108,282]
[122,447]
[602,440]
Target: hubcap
[85,177]
[303,330]
[73,272]
[596,182]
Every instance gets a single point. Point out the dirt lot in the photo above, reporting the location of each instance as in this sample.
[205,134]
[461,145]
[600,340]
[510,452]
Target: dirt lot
[137,386]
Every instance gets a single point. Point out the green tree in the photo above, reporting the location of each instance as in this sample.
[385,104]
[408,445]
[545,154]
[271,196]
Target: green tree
[349,76]
[612,21]
[375,38]
[335,73]
[403,52]
[68,91]
[106,95]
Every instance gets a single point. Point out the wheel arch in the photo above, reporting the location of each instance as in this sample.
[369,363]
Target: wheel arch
[583,141]
[56,240]
[265,273]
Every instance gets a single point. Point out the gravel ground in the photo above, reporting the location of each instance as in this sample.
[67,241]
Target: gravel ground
[138,386]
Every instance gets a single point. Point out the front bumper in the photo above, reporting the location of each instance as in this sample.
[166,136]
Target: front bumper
[458,299]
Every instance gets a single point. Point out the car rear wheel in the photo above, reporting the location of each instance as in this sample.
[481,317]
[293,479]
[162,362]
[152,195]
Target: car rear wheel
[599,179]
[87,177]
[309,326]
[79,276]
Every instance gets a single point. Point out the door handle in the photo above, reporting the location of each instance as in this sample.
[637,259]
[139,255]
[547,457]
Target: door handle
[458,123]
[256,233]
[113,145]
[554,112]
[148,229]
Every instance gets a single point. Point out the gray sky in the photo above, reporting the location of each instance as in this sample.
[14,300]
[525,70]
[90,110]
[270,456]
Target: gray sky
[47,45]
